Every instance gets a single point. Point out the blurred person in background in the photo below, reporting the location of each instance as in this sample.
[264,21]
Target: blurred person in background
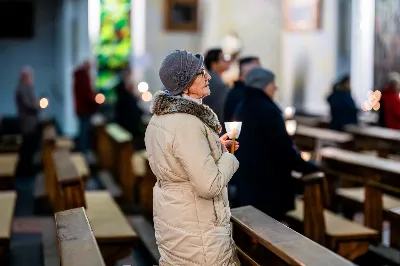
[28,116]
[267,154]
[236,94]
[85,105]
[216,65]
[390,102]
[343,108]
[128,114]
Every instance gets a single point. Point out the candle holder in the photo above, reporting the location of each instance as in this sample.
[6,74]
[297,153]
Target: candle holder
[233,130]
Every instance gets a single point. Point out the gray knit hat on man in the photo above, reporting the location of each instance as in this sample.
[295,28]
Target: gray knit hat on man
[259,78]
[179,69]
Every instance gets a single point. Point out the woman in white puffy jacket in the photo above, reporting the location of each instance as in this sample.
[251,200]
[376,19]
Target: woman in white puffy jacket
[193,167]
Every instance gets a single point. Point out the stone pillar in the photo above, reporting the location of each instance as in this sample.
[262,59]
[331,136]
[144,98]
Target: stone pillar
[65,68]
[362,48]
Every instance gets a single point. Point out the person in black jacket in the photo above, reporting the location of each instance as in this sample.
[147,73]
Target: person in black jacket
[236,94]
[127,111]
[267,154]
[342,105]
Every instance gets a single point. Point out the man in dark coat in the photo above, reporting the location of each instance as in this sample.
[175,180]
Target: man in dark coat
[267,154]
[216,65]
[236,94]
[127,111]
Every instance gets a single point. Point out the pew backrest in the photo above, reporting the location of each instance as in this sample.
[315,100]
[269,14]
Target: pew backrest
[286,246]
[70,183]
[76,242]
[323,134]
[118,134]
[121,166]
[373,132]
[358,164]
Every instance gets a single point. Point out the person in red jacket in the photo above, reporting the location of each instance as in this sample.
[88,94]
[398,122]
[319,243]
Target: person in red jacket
[390,102]
[85,104]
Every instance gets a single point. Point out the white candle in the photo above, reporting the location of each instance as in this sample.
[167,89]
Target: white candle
[232,127]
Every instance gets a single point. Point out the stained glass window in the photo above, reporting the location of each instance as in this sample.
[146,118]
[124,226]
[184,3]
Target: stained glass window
[114,46]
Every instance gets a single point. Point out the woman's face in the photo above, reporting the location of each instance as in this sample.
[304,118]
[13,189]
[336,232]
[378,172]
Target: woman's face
[199,88]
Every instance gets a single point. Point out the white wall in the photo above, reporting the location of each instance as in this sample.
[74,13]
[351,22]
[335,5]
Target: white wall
[159,42]
[309,65]
[257,24]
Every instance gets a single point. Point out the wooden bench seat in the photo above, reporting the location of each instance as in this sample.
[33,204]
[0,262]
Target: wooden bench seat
[374,173]
[336,226]
[391,209]
[76,242]
[113,233]
[339,234]
[7,206]
[106,218]
[262,240]
[8,165]
[358,194]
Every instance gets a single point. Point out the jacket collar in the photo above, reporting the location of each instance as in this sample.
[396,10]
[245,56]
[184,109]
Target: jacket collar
[239,84]
[164,104]
[254,92]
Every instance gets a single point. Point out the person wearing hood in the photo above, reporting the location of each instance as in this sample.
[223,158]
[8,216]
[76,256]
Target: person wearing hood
[343,109]
[267,155]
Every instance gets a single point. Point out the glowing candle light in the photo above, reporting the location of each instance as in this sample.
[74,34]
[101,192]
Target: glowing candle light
[43,103]
[289,112]
[233,130]
[291,126]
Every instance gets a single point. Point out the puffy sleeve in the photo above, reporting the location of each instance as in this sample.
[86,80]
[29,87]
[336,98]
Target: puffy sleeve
[192,149]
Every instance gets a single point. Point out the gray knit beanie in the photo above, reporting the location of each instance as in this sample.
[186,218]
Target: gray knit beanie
[259,78]
[179,69]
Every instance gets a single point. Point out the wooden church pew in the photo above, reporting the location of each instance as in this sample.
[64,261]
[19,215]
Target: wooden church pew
[7,205]
[339,234]
[76,242]
[313,139]
[383,140]
[377,175]
[113,233]
[262,240]
[121,166]
[8,165]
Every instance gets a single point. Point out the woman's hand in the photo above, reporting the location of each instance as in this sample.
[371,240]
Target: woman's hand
[227,144]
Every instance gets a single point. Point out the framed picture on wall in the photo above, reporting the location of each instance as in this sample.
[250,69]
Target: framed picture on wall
[302,15]
[181,15]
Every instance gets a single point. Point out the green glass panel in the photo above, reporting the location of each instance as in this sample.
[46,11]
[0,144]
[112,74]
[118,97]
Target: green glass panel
[113,50]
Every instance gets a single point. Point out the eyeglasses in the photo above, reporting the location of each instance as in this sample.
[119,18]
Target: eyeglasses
[202,72]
